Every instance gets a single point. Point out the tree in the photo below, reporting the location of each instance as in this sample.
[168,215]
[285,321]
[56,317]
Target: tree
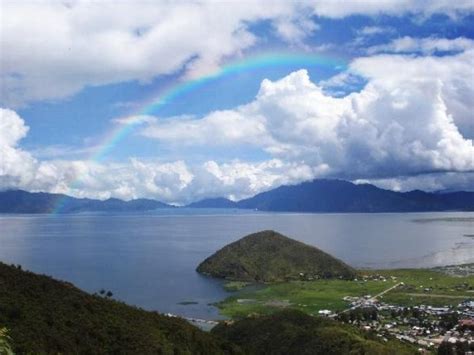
[5,348]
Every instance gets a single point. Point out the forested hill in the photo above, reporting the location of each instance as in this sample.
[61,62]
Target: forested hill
[46,316]
[269,256]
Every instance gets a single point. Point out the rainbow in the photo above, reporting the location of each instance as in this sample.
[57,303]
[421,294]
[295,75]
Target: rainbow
[169,94]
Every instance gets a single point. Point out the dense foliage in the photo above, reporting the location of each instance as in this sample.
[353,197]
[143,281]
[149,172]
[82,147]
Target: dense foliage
[269,256]
[48,316]
[5,347]
[293,332]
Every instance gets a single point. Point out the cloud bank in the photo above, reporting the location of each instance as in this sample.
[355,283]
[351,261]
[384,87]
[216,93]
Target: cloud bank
[52,50]
[409,127]
[412,117]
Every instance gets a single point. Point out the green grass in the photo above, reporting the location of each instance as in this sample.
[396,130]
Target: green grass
[307,296]
[440,284]
[312,296]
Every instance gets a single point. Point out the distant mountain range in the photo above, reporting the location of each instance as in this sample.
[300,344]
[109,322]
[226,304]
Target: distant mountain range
[18,201]
[343,196]
[314,196]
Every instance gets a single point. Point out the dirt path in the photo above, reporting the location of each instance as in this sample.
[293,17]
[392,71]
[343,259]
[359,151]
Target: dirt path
[387,290]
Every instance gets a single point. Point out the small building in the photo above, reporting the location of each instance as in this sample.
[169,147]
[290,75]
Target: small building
[324,312]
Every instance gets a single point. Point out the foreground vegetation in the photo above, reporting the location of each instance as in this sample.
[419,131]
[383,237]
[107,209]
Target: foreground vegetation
[40,315]
[45,316]
[420,286]
[294,332]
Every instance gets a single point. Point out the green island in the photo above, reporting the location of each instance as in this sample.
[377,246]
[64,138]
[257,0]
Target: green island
[268,256]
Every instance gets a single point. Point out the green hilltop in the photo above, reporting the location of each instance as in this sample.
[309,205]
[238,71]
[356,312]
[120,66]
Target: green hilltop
[269,256]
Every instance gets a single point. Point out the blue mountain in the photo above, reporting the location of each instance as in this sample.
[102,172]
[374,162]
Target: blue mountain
[325,195]
[19,201]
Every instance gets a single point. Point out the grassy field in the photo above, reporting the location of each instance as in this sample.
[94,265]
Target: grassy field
[420,287]
[429,287]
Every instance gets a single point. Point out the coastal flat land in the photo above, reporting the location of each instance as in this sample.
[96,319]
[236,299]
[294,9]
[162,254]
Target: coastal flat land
[416,287]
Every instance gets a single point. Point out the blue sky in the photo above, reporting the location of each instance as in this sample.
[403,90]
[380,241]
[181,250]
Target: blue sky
[86,70]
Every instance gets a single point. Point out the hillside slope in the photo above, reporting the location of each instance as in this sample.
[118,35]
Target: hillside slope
[269,256]
[293,332]
[45,316]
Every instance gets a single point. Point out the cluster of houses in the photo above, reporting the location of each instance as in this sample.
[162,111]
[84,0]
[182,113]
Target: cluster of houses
[425,326]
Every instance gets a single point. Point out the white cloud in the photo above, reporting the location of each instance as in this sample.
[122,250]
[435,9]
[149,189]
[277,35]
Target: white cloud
[411,117]
[51,50]
[374,30]
[453,73]
[181,182]
[427,182]
[16,165]
[410,125]
[174,182]
[218,128]
[428,45]
[342,8]
[54,49]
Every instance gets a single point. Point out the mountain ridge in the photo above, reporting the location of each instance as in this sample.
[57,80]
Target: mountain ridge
[320,195]
[20,201]
[325,196]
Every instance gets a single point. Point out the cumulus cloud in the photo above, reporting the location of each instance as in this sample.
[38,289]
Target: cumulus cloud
[174,182]
[409,126]
[441,182]
[54,49]
[453,74]
[412,117]
[217,128]
[428,45]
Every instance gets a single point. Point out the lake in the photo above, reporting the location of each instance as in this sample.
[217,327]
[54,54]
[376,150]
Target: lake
[149,259]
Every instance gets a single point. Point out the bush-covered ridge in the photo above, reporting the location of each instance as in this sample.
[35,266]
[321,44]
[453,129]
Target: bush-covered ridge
[46,316]
[293,332]
[269,256]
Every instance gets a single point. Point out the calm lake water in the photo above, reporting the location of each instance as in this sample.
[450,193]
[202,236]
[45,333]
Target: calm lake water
[149,260]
